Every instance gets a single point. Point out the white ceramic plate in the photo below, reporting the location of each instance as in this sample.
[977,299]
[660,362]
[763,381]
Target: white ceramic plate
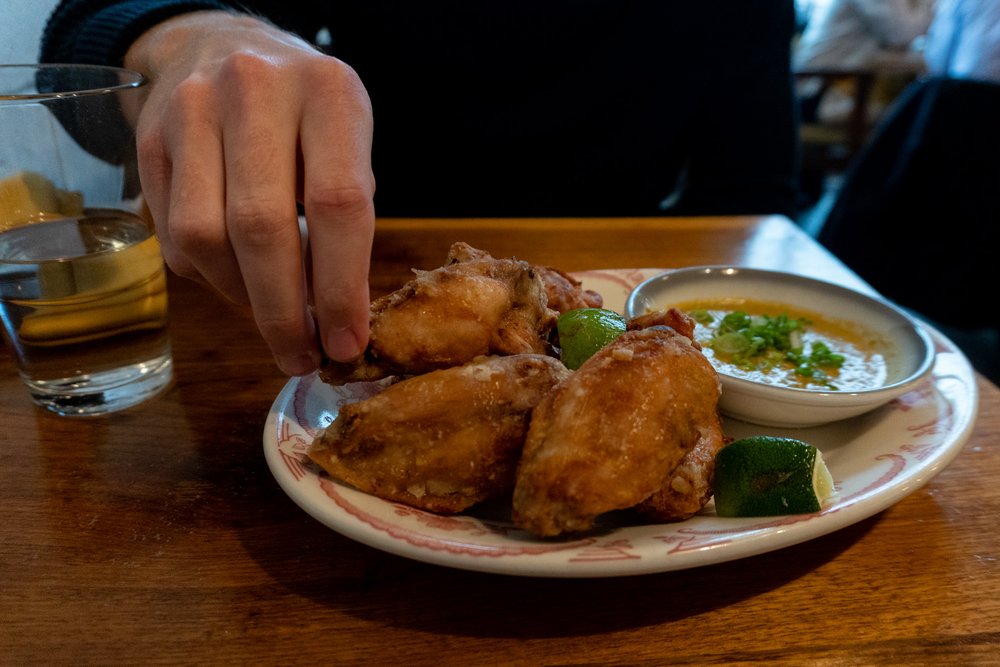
[875,459]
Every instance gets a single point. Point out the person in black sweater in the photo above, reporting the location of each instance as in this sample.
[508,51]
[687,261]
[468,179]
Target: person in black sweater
[457,108]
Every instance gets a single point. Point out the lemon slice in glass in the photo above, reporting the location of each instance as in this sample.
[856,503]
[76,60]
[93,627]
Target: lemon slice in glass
[769,476]
[29,197]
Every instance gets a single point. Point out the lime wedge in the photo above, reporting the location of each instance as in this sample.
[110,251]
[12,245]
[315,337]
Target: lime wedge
[584,331]
[769,476]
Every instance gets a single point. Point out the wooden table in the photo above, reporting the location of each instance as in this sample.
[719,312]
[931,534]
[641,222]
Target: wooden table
[160,536]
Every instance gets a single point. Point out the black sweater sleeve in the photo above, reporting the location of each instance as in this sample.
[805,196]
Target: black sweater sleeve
[101,31]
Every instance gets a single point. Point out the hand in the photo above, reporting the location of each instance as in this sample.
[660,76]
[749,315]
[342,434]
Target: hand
[242,121]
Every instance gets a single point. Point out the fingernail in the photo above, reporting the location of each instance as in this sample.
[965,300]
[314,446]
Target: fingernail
[342,345]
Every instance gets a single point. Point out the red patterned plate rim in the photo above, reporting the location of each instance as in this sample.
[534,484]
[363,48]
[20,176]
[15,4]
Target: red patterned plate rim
[876,460]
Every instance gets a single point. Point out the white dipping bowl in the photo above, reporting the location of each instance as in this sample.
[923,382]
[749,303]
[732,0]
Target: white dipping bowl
[910,362]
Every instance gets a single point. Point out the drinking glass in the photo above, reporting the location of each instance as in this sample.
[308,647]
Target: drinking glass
[83,296]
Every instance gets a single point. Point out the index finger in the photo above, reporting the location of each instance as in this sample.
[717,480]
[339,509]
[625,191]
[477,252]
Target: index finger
[338,187]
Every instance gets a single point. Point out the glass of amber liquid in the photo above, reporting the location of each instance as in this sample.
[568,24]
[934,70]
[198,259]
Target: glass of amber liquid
[83,296]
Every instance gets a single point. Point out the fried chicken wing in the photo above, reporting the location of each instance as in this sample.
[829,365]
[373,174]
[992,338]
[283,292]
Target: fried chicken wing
[474,305]
[566,293]
[674,318]
[689,487]
[441,441]
[685,490]
[609,436]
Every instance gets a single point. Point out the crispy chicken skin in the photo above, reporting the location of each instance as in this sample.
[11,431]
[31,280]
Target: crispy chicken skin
[686,490]
[564,292]
[672,317]
[441,441]
[609,436]
[474,305]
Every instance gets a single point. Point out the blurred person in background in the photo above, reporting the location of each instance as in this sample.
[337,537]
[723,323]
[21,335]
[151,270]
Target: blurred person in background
[850,34]
[931,164]
[963,41]
[855,35]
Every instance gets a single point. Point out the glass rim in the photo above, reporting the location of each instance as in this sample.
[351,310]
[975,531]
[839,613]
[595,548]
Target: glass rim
[22,228]
[128,79]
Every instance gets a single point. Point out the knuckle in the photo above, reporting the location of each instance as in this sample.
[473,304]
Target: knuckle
[190,104]
[194,236]
[246,70]
[190,95]
[256,222]
[275,326]
[340,201]
[333,78]
[330,69]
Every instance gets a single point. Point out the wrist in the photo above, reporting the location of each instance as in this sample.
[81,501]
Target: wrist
[201,34]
